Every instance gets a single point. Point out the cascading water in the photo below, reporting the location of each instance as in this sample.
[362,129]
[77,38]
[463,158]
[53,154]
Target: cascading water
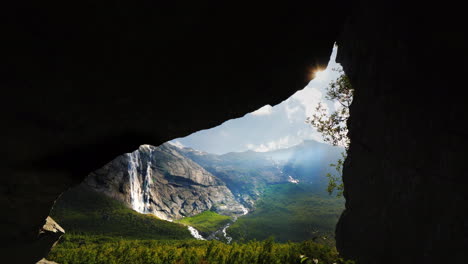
[136,196]
[147,183]
[223,231]
[228,238]
[140,176]
[140,181]
[195,233]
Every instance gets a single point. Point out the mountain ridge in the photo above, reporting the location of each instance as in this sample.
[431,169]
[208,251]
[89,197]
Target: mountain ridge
[247,173]
[160,181]
[173,182]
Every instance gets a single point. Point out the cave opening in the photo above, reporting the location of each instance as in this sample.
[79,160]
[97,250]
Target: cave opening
[271,175]
[84,83]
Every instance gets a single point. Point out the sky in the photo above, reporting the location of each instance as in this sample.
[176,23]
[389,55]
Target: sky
[270,127]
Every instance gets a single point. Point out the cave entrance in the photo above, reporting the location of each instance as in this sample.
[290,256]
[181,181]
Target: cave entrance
[264,175]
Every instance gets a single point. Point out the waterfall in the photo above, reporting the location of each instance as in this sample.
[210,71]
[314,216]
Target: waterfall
[195,233]
[136,196]
[146,187]
[244,210]
[140,181]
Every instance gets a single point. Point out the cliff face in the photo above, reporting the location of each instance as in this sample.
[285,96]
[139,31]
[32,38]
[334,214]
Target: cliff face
[161,181]
[405,175]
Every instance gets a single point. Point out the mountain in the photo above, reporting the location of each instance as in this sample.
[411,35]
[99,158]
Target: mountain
[210,192]
[163,182]
[248,173]
[307,162]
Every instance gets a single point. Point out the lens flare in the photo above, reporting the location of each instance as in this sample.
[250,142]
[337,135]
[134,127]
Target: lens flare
[319,74]
[316,73]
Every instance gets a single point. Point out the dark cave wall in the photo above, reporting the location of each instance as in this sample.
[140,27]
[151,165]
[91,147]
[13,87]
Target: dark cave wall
[84,83]
[405,173]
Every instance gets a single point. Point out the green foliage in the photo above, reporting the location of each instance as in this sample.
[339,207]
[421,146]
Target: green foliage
[102,230]
[291,212]
[335,183]
[74,249]
[206,222]
[333,126]
[82,210]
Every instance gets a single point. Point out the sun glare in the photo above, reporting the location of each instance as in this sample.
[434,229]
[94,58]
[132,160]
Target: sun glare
[319,74]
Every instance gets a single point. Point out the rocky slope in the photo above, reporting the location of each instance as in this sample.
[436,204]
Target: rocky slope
[247,173]
[172,182]
[161,181]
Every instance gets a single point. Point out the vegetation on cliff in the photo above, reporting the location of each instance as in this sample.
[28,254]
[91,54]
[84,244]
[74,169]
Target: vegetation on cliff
[333,126]
[291,212]
[81,210]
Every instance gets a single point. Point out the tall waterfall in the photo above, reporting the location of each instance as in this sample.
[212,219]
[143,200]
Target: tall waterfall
[136,196]
[140,181]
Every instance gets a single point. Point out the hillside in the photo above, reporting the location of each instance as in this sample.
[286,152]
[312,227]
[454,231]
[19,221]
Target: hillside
[291,212]
[101,230]
[81,210]
[196,188]
[207,222]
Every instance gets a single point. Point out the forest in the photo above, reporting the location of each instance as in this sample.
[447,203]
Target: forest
[75,249]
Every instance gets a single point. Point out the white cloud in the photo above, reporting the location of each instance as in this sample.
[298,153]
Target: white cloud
[271,127]
[309,97]
[292,110]
[337,106]
[310,133]
[265,110]
[281,143]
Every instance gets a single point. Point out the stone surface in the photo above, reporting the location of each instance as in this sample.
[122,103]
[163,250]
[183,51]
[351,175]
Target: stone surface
[161,181]
[47,236]
[45,261]
[405,176]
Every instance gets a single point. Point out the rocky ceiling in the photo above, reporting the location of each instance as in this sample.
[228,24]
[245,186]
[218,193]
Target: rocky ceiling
[83,82]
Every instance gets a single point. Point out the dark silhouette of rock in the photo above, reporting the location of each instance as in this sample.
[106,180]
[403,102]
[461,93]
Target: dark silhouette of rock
[85,82]
[405,175]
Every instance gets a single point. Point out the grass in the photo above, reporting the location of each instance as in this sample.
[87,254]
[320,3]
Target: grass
[84,211]
[103,230]
[206,222]
[291,212]
[78,249]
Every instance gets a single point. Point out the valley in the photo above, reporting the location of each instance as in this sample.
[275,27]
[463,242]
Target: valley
[169,195]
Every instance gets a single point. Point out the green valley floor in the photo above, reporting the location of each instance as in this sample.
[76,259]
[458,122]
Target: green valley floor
[102,230]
